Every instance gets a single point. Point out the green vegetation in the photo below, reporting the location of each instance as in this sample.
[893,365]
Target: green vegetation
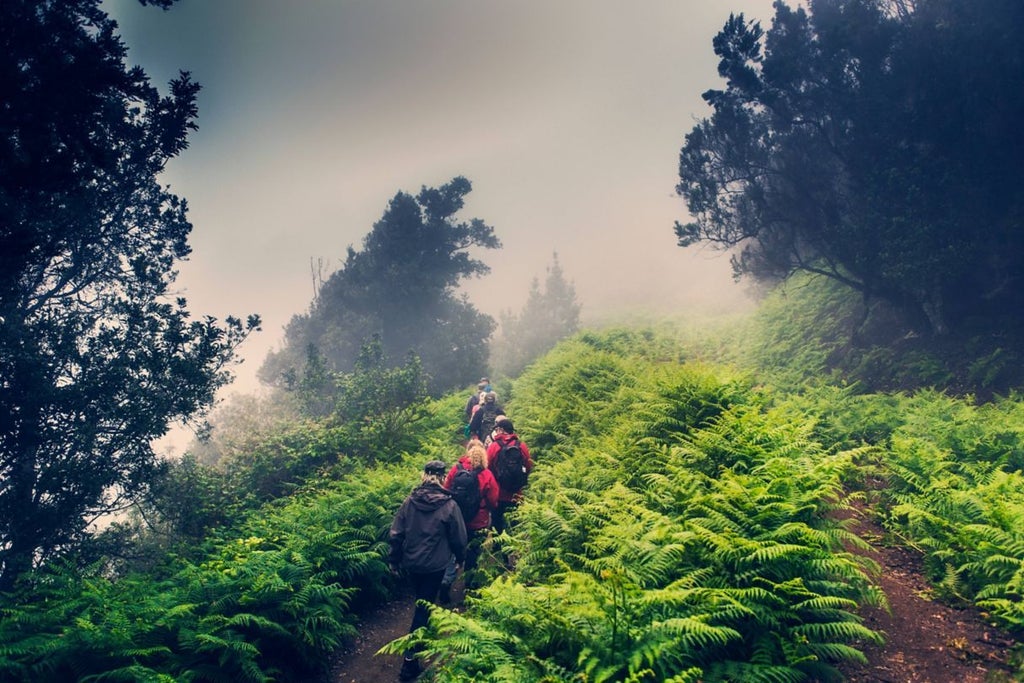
[96,356]
[686,517]
[681,524]
[400,289]
[874,142]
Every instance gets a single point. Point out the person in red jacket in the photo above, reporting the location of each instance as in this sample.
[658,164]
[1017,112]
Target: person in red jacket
[509,495]
[473,460]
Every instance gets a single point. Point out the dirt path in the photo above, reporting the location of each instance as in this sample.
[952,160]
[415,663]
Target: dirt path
[926,642]
[359,663]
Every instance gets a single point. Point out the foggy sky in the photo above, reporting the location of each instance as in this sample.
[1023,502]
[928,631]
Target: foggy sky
[566,116]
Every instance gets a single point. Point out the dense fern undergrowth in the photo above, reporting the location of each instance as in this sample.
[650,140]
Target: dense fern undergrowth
[679,526]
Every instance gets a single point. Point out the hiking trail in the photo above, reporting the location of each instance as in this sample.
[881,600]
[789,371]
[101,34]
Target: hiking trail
[926,641]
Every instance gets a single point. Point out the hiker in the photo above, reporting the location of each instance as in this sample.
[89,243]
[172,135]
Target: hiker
[475,489]
[509,460]
[483,420]
[482,387]
[427,530]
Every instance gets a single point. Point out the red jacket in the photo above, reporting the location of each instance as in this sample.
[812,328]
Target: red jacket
[505,496]
[488,493]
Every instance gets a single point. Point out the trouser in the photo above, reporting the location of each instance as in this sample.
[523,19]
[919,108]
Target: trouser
[498,520]
[474,543]
[425,587]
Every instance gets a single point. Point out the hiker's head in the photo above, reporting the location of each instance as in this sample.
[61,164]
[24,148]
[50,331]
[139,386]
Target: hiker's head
[477,454]
[490,397]
[482,386]
[505,425]
[434,472]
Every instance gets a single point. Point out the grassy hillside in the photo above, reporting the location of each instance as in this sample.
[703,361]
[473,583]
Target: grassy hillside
[679,525]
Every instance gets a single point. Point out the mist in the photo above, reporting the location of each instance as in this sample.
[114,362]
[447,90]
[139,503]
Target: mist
[567,118]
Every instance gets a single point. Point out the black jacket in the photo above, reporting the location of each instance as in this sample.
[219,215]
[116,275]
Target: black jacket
[470,402]
[483,421]
[427,530]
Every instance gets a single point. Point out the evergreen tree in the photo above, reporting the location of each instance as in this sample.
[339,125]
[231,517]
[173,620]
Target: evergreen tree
[94,359]
[401,288]
[876,142]
[548,316]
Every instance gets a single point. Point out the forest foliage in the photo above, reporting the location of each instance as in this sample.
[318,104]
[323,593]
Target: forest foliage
[678,526]
[401,289]
[681,522]
[96,357]
[875,142]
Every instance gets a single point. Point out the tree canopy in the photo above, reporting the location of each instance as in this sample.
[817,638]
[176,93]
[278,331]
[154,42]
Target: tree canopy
[548,316]
[401,289]
[95,358]
[876,142]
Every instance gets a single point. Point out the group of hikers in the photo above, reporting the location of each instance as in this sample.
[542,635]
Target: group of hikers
[442,524]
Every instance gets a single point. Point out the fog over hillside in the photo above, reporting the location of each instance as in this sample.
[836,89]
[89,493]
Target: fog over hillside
[567,118]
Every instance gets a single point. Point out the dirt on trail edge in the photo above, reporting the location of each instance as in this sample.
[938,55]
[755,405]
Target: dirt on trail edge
[926,641]
[359,663]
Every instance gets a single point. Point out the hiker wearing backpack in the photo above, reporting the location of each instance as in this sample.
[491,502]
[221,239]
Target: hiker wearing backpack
[483,419]
[482,387]
[509,460]
[475,489]
[427,530]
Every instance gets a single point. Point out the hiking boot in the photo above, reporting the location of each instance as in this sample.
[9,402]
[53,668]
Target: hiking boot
[410,669]
[444,596]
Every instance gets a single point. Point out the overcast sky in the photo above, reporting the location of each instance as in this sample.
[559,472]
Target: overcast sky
[566,115]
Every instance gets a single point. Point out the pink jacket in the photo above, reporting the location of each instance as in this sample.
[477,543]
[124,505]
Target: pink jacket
[492,455]
[488,494]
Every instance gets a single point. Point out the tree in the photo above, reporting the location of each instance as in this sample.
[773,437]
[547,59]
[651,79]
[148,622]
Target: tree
[875,142]
[95,360]
[547,317]
[401,287]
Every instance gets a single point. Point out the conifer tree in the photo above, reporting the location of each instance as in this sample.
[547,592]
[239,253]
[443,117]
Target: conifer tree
[548,316]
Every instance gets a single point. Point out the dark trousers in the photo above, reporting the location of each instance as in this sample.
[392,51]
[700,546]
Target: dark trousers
[498,520]
[425,587]
[474,543]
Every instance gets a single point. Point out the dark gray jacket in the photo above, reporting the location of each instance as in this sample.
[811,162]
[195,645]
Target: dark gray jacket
[427,530]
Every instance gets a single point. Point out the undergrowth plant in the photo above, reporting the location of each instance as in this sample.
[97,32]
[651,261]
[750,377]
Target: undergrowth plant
[676,528]
[272,599]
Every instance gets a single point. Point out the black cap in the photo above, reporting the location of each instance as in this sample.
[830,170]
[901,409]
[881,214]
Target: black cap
[505,424]
[436,467]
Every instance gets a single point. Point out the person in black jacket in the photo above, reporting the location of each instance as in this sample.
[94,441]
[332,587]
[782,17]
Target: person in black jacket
[427,530]
[482,387]
[482,424]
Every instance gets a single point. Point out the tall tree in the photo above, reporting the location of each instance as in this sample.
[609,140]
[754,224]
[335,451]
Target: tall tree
[548,316]
[876,142]
[401,288]
[95,361]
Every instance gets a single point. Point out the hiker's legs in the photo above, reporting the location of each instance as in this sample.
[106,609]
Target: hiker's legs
[498,520]
[425,587]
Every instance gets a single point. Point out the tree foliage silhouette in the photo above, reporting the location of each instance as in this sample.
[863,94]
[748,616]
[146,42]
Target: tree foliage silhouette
[548,316]
[95,359]
[873,141]
[401,288]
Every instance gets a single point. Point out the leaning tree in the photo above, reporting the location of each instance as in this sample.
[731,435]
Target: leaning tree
[96,360]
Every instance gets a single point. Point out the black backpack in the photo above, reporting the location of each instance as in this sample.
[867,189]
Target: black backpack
[510,467]
[466,491]
[489,414]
